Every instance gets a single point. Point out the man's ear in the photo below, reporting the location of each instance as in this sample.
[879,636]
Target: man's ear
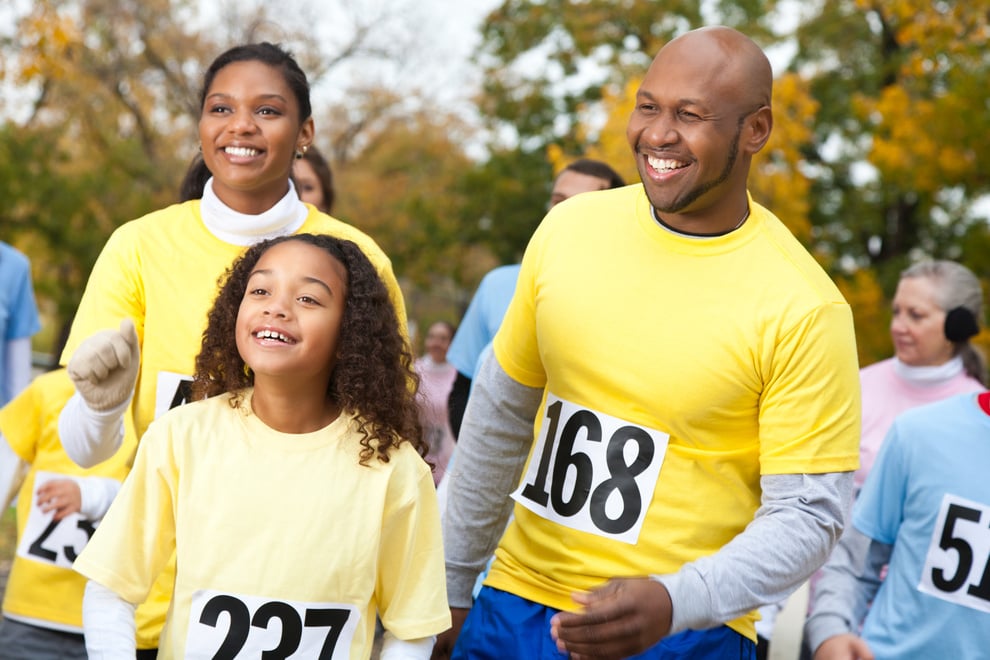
[757,130]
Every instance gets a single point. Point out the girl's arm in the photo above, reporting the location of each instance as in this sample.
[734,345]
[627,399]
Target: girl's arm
[406,649]
[97,495]
[13,469]
[108,624]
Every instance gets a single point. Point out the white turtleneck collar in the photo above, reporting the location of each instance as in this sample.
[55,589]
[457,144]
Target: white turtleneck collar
[286,217]
[929,375]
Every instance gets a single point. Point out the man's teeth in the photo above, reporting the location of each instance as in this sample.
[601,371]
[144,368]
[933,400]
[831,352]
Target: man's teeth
[665,164]
[241,151]
[269,334]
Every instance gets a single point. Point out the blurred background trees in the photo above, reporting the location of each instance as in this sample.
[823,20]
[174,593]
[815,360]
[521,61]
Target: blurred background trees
[880,117]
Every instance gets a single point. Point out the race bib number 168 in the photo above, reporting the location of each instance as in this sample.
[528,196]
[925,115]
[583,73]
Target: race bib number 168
[592,472]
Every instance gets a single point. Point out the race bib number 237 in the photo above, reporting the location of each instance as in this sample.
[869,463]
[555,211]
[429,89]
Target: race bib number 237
[592,472]
[226,626]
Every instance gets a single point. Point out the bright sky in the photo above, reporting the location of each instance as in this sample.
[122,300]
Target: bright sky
[445,33]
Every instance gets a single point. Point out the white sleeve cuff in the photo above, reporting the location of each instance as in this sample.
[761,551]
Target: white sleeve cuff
[97,495]
[406,649]
[88,436]
[108,624]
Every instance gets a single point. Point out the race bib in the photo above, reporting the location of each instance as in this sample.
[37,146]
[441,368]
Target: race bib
[172,390]
[592,472]
[227,626]
[957,567]
[49,541]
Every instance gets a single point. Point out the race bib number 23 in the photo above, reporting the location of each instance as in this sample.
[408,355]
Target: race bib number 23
[592,472]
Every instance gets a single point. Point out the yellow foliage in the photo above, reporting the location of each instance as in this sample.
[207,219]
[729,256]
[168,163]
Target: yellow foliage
[612,145]
[47,39]
[777,181]
[870,315]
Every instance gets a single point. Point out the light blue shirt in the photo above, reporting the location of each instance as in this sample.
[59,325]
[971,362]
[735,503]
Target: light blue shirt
[18,311]
[928,495]
[482,319]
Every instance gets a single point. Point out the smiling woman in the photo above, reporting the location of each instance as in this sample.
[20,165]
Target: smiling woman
[161,270]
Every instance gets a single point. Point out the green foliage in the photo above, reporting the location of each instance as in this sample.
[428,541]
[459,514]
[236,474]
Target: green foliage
[880,127]
[880,118]
[508,196]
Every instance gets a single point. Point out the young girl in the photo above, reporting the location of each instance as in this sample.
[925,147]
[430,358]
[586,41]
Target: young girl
[161,270]
[297,492]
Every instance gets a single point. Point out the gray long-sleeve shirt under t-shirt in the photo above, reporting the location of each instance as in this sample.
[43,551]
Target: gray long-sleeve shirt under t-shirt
[792,533]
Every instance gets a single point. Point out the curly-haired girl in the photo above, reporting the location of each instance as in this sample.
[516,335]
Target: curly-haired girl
[297,490]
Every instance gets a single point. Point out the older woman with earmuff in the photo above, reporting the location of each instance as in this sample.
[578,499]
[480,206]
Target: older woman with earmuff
[937,309]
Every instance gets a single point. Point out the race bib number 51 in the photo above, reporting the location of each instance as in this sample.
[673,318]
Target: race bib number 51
[592,472]
[957,567]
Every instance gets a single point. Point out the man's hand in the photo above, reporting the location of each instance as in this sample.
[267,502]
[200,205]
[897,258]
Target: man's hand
[61,496]
[844,647]
[624,617]
[105,366]
[444,647]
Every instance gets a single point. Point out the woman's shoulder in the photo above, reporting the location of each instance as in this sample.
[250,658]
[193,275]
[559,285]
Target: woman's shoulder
[318,222]
[207,412]
[170,220]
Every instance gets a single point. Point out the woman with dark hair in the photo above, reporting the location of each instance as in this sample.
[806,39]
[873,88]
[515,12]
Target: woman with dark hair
[138,327]
[314,180]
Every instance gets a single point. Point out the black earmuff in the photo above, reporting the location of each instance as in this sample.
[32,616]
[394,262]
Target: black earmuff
[960,324]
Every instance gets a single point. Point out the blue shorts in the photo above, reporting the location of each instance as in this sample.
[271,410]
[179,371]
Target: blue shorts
[501,625]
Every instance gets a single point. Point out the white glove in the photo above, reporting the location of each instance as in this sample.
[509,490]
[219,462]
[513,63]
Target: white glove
[105,366]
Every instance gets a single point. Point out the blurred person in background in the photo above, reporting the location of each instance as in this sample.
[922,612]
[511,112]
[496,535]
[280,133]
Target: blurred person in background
[936,311]
[18,322]
[314,179]
[436,376]
[491,299]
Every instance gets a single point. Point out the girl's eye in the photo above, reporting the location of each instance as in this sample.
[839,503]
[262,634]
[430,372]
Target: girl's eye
[308,300]
[219,109]
[257,292]
[269,111]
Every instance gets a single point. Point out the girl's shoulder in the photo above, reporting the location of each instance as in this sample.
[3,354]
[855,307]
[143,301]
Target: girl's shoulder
[209,412]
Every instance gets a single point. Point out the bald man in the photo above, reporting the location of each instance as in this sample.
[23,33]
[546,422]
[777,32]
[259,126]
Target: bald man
[671,413]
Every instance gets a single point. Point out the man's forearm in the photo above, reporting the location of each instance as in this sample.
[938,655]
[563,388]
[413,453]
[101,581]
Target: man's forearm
[494,442]
[791,536]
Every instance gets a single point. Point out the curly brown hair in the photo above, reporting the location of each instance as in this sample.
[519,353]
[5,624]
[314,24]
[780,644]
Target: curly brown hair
[373,377]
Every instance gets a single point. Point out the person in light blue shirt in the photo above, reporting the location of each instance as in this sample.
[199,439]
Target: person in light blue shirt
[18,322]
[924,512]
[486,309]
